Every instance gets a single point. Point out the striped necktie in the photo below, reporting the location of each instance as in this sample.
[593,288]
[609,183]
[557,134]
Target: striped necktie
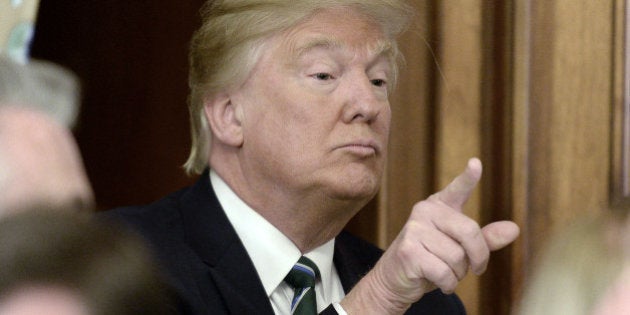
[302,279]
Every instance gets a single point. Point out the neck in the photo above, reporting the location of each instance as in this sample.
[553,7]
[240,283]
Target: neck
[308,218]
[309,225]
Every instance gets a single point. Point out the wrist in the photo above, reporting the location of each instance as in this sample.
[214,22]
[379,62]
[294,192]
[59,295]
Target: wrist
[371,296]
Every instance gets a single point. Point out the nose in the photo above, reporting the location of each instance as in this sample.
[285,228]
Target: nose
[365,101]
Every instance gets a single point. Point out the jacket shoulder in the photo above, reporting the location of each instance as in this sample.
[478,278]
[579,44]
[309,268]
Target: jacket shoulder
[157,217]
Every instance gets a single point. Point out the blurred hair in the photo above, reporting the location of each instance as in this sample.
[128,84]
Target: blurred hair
[577,267]
[109,267]
[227,46]
[42,86]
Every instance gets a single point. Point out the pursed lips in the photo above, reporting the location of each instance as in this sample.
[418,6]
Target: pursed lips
[363,147]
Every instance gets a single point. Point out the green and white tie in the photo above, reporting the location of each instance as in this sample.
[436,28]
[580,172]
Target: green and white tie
[302,279]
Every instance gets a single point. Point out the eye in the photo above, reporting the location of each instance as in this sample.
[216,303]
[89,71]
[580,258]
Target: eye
[378,82]
[323,76]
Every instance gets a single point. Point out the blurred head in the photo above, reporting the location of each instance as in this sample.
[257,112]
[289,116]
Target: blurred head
[40,163]
[74,263]
[232,39]
[584,270]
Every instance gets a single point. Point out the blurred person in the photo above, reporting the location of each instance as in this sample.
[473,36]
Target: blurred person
[40,163]
[584,270]
[290,115]
[56,262]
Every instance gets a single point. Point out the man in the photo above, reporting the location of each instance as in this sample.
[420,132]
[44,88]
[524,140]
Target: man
[295,97]
[40,163]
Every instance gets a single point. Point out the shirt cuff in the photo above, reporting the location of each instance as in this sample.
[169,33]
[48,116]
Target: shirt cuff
[339,309]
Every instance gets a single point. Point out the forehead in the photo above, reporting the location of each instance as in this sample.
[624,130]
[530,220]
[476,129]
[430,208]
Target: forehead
[336,28]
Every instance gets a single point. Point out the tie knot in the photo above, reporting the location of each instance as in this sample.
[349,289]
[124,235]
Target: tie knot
[303,274]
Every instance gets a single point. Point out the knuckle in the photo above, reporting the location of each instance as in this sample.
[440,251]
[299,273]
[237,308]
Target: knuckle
[443,275]
[407,250]
[479,263]
[461,271]
[470,229]
[449,284]
[422,206]
[434,197]
[446,280]
[412,227]
[450,287]
[457,256]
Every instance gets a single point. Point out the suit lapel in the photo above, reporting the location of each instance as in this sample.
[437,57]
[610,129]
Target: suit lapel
[229,267]
[240,286]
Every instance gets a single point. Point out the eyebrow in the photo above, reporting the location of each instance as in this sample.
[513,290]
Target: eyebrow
[326,43]
[382,48]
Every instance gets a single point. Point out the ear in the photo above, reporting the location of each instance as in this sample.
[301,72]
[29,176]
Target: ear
[224,119]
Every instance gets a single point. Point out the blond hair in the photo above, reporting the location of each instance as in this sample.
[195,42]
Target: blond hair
[227,46]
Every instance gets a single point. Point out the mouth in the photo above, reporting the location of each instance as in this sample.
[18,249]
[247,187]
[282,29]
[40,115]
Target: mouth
[361,147]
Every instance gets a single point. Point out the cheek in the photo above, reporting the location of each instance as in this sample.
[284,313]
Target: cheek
[299,119]
[387,119]
[287,118]
[382,126]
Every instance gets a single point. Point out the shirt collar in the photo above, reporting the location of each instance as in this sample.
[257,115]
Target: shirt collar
[272,253]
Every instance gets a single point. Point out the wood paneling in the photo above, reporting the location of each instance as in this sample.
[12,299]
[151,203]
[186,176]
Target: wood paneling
[569,113]
[519,137]
[620,179]
[497,148]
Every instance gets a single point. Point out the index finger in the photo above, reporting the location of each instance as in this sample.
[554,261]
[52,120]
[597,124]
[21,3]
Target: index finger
[459,190]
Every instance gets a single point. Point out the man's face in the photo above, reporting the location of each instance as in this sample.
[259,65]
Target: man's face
[315,110]
[40,164]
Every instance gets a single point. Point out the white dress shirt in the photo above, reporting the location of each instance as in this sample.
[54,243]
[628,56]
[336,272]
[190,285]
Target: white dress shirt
[273,254]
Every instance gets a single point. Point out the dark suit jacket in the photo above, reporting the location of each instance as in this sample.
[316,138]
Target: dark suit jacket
[209,268]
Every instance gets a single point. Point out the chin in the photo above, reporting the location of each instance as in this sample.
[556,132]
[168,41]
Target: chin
[357,189]
[357,182]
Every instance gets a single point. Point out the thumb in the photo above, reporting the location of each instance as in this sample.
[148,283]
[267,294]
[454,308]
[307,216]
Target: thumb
[500,234]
